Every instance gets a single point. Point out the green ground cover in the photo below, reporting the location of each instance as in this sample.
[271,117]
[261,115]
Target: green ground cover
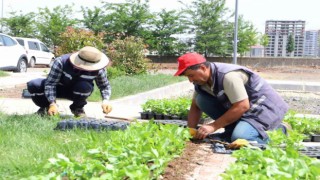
[140,152]
[3,74]
[129,85]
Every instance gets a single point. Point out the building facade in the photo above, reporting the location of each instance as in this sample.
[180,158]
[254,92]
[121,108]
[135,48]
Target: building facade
[311,46]
[279,33]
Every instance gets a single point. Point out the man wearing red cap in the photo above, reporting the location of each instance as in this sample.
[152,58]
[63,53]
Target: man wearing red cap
[238,99]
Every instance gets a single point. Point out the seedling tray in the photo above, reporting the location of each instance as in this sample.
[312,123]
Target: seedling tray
[311,151]
[181,123]
[68,124]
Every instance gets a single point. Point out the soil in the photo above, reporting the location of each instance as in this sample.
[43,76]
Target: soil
[307,103]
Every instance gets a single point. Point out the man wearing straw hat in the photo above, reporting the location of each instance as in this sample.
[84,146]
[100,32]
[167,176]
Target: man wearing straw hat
[71,77]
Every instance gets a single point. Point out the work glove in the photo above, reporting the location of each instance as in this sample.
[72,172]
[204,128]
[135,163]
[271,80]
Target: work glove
[53,109]
[238,144]
[106,107]
[193,132]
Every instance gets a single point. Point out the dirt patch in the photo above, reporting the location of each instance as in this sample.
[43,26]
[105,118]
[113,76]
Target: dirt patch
[15,92]
[182,165]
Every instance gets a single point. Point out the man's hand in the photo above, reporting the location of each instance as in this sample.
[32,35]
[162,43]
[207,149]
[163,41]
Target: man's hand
[204,131]
[106,108]
[238,144]
[53,109]
[193,132]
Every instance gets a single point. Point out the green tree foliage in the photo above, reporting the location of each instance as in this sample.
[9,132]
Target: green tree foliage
[51,23]
[93,19]
[247,36]
[127,55]
[126,19]
[264,41]
[211,27]
[21,25]
[166,24]
[290,44]
[75,39]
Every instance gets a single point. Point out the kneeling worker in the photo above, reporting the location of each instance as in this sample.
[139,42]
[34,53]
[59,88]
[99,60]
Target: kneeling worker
[71,77]
[238,99]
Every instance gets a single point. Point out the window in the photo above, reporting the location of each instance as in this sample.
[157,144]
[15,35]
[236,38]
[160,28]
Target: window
[21,42]
[33,45]
[44,48]
[8,41]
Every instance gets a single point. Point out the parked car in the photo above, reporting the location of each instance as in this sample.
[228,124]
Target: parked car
[37,51]
[12,55]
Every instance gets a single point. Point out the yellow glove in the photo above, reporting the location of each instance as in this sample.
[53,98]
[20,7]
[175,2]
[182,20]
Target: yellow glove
[106,108]
[193,132]
[238,144]
[53,109]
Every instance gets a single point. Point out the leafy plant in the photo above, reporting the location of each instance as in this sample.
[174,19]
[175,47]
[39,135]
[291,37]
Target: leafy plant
[74,39]
[114,72]
[303,125]
[140,152]
[276,162]
[128,55]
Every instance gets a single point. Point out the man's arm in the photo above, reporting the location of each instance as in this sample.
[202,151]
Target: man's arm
[194,115]
[234,86]
[230,116]
[52,80]
[103,85]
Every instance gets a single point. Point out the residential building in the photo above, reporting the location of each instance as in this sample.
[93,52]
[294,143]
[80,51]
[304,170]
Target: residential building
[311,46]
[279,33]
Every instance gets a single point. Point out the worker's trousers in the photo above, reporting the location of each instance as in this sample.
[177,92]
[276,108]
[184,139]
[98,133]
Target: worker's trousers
[238,130]
[77,92]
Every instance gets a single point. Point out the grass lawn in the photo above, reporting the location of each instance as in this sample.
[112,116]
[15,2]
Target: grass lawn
[129,85]
[3,74]
[28,141]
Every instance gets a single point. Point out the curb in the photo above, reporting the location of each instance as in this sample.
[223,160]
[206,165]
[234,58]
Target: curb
[295,86]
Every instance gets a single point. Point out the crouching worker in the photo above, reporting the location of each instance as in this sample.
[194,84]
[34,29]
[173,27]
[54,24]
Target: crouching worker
[71,77]
[238,99]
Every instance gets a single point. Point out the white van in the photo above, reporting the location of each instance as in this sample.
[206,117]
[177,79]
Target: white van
[37,51]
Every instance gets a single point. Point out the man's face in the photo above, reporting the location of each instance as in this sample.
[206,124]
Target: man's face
[199,76]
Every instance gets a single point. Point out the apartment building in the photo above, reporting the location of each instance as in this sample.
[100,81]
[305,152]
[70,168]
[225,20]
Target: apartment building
[279,32]
[311,46]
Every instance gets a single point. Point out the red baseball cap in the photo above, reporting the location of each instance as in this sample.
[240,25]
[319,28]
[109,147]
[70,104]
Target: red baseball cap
[187,60]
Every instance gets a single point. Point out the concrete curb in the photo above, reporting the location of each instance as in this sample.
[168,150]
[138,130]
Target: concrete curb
[295,86]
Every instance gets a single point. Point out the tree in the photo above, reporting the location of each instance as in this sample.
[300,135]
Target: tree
[247,36]
[163,27]
[51,23]
[21,25]
[290,44]
[211,28]
[93,19]
[264,41]
[126,19]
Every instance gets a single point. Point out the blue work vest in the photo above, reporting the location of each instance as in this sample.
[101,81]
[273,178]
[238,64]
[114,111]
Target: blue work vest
[267,108]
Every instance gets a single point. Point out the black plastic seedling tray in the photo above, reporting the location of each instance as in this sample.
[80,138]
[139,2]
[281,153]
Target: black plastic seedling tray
[181,123]
[311,151]
[94,124]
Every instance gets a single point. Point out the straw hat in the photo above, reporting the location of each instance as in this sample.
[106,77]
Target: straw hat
[89,59]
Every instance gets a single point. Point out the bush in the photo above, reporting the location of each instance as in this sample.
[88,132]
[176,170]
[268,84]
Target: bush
[75,39]
[127,55]
[114,72]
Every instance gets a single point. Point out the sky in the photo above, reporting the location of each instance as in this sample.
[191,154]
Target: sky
[255,11]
